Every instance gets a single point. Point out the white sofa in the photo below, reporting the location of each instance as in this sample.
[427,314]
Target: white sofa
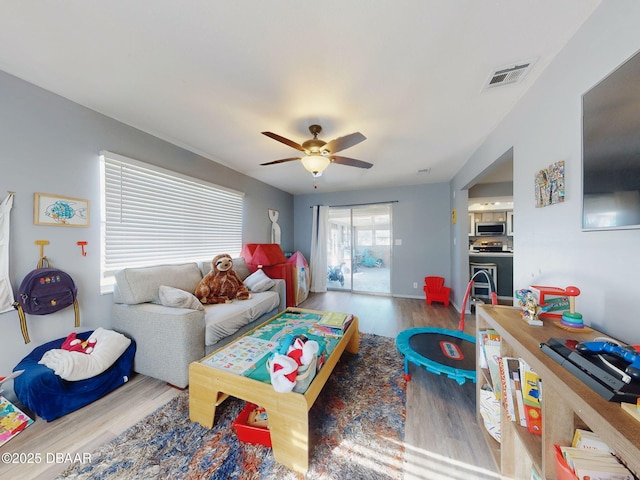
[169,338]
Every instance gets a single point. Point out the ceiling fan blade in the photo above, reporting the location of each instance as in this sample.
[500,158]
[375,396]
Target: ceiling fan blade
[342,143]
[351,162]
[281,161]
[286,141]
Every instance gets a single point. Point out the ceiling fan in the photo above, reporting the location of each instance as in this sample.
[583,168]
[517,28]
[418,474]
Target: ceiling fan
[318,154]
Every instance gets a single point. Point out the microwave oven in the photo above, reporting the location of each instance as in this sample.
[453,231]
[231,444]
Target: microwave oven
[491,229]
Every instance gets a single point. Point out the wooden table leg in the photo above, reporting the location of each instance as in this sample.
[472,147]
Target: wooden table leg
[289,428]
[354,342]
[203,396]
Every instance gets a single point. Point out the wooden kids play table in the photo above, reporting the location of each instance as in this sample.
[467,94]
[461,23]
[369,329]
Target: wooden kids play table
[209,385]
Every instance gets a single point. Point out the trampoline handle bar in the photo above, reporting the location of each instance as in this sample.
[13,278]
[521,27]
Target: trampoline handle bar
[493,294]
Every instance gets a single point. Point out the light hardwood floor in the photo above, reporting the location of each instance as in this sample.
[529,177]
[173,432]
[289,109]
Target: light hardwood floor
[442,437]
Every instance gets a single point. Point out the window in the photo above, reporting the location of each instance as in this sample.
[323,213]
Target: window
[152,216]
[383,237]
[365,237]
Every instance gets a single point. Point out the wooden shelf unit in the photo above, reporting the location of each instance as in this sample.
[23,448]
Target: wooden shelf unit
[567,403]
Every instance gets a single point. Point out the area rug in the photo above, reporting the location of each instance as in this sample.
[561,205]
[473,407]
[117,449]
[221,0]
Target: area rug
[356,430]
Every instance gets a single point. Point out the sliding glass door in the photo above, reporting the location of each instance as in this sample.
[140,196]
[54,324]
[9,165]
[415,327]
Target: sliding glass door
[359,248]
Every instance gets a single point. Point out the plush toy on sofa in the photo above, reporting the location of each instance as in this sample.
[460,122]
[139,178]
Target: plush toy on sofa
[221,284]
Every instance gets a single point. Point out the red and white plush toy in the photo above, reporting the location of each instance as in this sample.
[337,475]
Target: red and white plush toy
[221,284]
[283,369]
[74,344]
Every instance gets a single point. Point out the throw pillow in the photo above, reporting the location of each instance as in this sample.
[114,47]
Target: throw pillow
[258,282]
[174,297]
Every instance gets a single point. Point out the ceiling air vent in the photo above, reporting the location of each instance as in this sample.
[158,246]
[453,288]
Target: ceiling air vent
[509,74]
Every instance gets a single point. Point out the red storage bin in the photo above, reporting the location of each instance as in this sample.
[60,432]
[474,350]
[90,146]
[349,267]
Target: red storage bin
[248,433]
[563,472]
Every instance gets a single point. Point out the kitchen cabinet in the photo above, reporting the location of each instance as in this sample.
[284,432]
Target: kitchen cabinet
[496,216]
[491,216]
[567,403]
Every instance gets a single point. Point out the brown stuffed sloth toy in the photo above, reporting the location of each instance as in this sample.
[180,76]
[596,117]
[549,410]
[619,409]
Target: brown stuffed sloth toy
[221,284]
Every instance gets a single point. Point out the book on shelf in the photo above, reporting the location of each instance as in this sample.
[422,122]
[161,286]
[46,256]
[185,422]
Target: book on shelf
[632,409]
[531,382]
[587,440]
[594,464]
[506,366]
[517,393]
[531,386]
[489,342]
[490,413]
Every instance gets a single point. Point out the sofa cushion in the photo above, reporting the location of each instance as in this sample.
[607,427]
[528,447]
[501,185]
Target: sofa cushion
[140,285]
[258,282]
[174,297]
[225,319]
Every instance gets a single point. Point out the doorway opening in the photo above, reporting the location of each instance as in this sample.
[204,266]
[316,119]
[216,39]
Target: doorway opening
[359,248]
[491,232]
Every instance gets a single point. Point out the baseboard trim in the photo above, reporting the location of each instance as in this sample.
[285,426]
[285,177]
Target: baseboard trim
[418,297]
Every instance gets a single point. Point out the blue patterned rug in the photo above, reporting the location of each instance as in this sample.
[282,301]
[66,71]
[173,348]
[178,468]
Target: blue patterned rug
[356,429]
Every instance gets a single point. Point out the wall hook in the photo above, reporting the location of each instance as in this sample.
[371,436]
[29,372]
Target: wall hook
[41,243]
[82,245]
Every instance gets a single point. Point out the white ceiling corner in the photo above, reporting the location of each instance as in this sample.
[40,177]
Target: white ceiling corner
[211,75]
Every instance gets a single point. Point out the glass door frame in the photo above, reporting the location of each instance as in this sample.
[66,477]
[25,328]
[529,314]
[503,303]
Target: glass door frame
[346,263]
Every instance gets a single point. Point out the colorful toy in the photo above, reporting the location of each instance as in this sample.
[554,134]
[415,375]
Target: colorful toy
[221,284]
[530,308]
[74,344]
[563,298]
[572,318]
[283,368]
[627,353]
[492,289]
[439,351]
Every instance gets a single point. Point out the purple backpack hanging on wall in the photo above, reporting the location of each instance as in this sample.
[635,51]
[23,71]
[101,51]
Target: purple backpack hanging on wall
[43,291]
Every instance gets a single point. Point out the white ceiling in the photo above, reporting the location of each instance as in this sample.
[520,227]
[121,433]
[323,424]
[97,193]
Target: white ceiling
[210,75]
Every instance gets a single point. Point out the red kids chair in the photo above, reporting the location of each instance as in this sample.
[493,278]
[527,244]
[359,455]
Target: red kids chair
[436,291]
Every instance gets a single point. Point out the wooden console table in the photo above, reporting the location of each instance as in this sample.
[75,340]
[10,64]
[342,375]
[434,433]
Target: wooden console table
[288,413]
[567,403]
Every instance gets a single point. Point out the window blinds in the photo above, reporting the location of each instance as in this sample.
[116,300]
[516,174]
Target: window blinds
[152,216]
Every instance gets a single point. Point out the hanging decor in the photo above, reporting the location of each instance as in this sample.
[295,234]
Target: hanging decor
[60,211]
[549,185]
[6,291]
[275,228]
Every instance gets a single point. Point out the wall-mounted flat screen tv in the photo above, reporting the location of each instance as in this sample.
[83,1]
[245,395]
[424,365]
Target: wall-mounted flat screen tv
[611,150]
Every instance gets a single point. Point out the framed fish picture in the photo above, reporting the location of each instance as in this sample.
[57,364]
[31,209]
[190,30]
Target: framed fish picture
[60,211]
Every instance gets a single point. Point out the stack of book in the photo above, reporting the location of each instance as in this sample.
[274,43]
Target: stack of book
[489,341]
[333,323]
[514,384]
[521,393]
[590,458]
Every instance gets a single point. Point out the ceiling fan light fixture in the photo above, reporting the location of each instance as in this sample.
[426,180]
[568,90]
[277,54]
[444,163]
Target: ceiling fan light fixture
[315,164]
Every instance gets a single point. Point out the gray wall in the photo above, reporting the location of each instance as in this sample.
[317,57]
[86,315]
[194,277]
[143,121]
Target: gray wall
[421,220]
[549,246]
[502,189]
[51,145]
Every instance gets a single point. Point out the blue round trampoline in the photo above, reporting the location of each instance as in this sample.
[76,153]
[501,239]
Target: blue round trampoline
[439,351]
